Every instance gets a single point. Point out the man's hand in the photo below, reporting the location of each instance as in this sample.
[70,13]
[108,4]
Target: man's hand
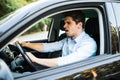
[20,41]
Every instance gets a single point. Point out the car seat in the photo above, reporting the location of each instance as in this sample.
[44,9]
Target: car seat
[92,28]
[63,35]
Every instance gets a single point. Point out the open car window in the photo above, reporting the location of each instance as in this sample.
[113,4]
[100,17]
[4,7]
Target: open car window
[51,28]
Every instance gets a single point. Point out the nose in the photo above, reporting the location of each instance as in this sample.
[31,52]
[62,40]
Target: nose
[64,26]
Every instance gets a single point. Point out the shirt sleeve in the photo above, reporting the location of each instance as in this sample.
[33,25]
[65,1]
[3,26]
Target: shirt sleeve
[54,46]
[82,52]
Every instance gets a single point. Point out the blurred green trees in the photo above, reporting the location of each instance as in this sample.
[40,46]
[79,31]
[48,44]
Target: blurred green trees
[7,6]
[40,26]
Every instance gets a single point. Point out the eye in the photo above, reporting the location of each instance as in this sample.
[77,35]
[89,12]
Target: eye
[68,22]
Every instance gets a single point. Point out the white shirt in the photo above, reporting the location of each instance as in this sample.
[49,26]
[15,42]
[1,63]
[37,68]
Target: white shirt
[73,50]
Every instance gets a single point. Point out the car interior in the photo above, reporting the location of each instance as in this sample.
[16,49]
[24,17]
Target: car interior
[55,33]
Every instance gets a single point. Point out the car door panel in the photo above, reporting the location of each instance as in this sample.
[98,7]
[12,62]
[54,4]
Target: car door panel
[98,64]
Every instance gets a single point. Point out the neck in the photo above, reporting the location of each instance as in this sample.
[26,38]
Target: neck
[75,36]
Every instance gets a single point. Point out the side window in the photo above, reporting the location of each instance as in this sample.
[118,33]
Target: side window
[113,27]
[38,31]
[117,13]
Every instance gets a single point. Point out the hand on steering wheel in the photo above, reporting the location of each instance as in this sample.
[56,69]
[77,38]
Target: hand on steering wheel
[25,56]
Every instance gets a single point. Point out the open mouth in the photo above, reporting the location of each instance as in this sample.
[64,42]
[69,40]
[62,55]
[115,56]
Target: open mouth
[66,31]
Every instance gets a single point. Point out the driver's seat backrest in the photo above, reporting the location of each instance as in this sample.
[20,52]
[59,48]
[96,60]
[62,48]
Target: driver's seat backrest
[92,28]
[63,35]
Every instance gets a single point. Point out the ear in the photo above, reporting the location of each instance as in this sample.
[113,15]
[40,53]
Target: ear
[80,25]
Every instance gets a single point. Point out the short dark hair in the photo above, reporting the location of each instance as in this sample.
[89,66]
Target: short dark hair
[77,16]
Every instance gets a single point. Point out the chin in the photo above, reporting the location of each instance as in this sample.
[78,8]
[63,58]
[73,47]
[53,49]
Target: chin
[68,35]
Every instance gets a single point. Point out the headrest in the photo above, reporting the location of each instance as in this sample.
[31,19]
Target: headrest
[92,26]
[61,25]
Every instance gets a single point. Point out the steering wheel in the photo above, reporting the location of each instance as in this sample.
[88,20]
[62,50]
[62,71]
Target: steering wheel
[25,56]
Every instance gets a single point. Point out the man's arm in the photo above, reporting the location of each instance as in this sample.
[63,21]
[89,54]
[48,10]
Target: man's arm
[45,62]
[35,46]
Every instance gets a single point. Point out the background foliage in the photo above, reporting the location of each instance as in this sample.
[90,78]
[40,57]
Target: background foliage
[7,6]
[39,26]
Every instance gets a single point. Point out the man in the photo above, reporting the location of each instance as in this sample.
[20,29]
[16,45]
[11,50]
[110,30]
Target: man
[77,46]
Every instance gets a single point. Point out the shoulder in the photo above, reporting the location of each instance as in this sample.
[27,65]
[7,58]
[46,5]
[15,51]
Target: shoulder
[88,39]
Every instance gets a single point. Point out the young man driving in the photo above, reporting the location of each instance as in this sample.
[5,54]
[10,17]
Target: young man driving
[75,47]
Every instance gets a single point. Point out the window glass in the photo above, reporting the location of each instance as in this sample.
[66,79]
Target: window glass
[113,28]
[39,31]
[116,7]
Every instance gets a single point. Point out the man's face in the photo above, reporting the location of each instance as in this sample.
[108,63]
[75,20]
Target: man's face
[71,28]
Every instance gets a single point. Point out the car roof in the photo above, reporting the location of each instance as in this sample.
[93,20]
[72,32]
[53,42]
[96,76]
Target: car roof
[41,4]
